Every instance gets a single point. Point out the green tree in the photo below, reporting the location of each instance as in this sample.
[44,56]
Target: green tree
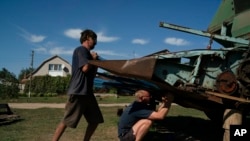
[8,84]
[24,73]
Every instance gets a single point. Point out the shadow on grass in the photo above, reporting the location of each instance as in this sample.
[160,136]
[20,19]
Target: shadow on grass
[9,122]
[183,128]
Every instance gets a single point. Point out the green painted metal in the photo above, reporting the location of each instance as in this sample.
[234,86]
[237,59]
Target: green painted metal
[234,16]
[230,26]
[225,13]
[225,38]
[241,25]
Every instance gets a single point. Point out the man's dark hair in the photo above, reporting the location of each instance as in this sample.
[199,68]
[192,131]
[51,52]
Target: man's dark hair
[87,33]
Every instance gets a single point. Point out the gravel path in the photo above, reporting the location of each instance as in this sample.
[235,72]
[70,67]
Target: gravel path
[53,105]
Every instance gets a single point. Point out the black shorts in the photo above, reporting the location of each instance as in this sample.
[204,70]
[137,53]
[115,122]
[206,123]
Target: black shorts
[129,136]
[79,105]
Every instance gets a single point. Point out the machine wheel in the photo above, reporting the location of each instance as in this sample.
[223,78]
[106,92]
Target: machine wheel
[226,83]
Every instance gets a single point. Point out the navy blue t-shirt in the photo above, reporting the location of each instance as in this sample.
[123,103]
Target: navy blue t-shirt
[133,113]
[81,83]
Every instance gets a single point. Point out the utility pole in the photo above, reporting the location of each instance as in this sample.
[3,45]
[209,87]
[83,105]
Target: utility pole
[31,66]
[134,54]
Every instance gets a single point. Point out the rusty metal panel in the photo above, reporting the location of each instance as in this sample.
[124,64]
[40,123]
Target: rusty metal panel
[139,68]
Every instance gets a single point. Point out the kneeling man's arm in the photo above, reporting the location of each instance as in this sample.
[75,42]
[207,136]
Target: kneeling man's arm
[163,109]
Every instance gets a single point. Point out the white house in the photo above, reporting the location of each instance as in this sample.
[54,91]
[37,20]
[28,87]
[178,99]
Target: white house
[54,66]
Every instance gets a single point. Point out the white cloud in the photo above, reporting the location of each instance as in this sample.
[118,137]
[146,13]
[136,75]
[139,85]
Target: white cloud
[48,47]
[103,38]
[109,53]
[60,51]
[139,41]
[53,49]
[106,52]
[76,34]
[176,41]
[36,38]
[41,49]
[73,33]
[31,37]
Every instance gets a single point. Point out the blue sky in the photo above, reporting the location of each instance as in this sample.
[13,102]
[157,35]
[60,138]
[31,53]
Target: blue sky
[126,28]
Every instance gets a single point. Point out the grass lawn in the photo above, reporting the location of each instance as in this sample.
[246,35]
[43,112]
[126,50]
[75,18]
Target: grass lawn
[62,99]
[40,124]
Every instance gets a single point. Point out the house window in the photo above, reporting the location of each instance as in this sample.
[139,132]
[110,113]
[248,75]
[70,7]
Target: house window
[55,67]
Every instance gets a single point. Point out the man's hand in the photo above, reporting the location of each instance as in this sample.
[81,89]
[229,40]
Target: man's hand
[168,98]
[94,55]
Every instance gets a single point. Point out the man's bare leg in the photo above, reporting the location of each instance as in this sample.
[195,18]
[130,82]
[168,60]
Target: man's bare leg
[231,117]
[89,131]
[141,128]
[59,131]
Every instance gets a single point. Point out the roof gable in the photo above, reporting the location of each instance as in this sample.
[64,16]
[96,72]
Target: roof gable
[51,58]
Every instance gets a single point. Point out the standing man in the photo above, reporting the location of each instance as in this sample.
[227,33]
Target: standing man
[81,97]
[137,118]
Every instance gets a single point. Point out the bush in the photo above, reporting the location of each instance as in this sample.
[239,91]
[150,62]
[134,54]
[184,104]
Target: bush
[47,85]
[8,84]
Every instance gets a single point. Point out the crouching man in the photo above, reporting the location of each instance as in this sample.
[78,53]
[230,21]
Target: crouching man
[137,118]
